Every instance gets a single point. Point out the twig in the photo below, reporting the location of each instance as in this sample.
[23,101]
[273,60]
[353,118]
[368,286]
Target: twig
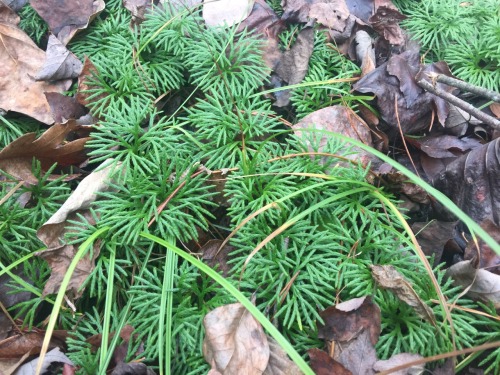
[464,86]
[493,122]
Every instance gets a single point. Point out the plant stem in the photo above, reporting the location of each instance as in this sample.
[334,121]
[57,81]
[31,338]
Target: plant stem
[493,122]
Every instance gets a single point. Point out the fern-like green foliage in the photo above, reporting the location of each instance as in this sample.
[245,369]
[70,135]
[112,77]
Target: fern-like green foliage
[464,34]
[326,63]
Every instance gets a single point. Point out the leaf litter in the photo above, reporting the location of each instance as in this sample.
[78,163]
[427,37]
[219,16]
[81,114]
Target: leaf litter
[460,165]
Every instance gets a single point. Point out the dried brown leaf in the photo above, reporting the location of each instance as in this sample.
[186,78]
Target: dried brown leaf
[323,364]
[235,342]
[66,17]
[58,254]
[279,363]
[64,107]
[337,119]
[59,63]
[480,284]
[389,278]
[386,21]
[16,158]
[20,60]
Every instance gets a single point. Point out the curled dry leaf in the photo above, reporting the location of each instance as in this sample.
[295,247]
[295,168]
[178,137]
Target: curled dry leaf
[59,63]
[20,60]
[16,158]
[336,119]
[226,12]
[52,233]
[389,278]
[235,342]
[480,284]
[66,17]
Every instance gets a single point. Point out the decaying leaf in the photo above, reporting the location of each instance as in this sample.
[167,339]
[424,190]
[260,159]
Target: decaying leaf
[337,119]
[16,158]
[333,14]
[294,64]
[432,237]
[64,107]
[399,97]
[323,364]
[472,182]
[214,258]
[479,283]
[386,21]
[59,63]
[52,233]
[355,326]
[235,342]
[66,17]
[137,9]
[20,60]
[487,257]
[279,363]
[55,356]
[389,278]
[398,360]
[226,12]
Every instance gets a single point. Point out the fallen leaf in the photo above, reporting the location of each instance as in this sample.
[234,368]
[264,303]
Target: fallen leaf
[361,9]
[53,357]
[458,121]
[398,360]
[432,237]
[21,59]
[226,12]
[354,326]
[294,64]
[15,5]
[365,52]
[386,21]
[333,14]
[323,364]
[59,62]
[472,182]
[235,341]
[337,119]
[495,109]
[16,158]
[137,9]
[7,15]
[279,363]
[52,233]
[487,257]
[443,145]
[64,107]
[134,368]
[89,72]
[480,284]
[66,17]
[214,258]
[395,86]
[389,278]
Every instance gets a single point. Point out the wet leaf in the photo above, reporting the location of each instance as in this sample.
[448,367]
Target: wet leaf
[16,158]
[226,12]
[487,257]
[472,182]
[323,364]
[66,17]
[235,342]
[354,327]
[389,278]
[444,146]
[398,360]
[21,59]
[480,284]
[52,233]
[59,62]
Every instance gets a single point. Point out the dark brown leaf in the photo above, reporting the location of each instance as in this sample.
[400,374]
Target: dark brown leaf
[444,146]
[235,342]
[214,258]
[89,72]
[472,182]
[66,17]
[323,364]
[432,237]
[386,21]
[487,257]
[64,107]
[59,62]
[16,158]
